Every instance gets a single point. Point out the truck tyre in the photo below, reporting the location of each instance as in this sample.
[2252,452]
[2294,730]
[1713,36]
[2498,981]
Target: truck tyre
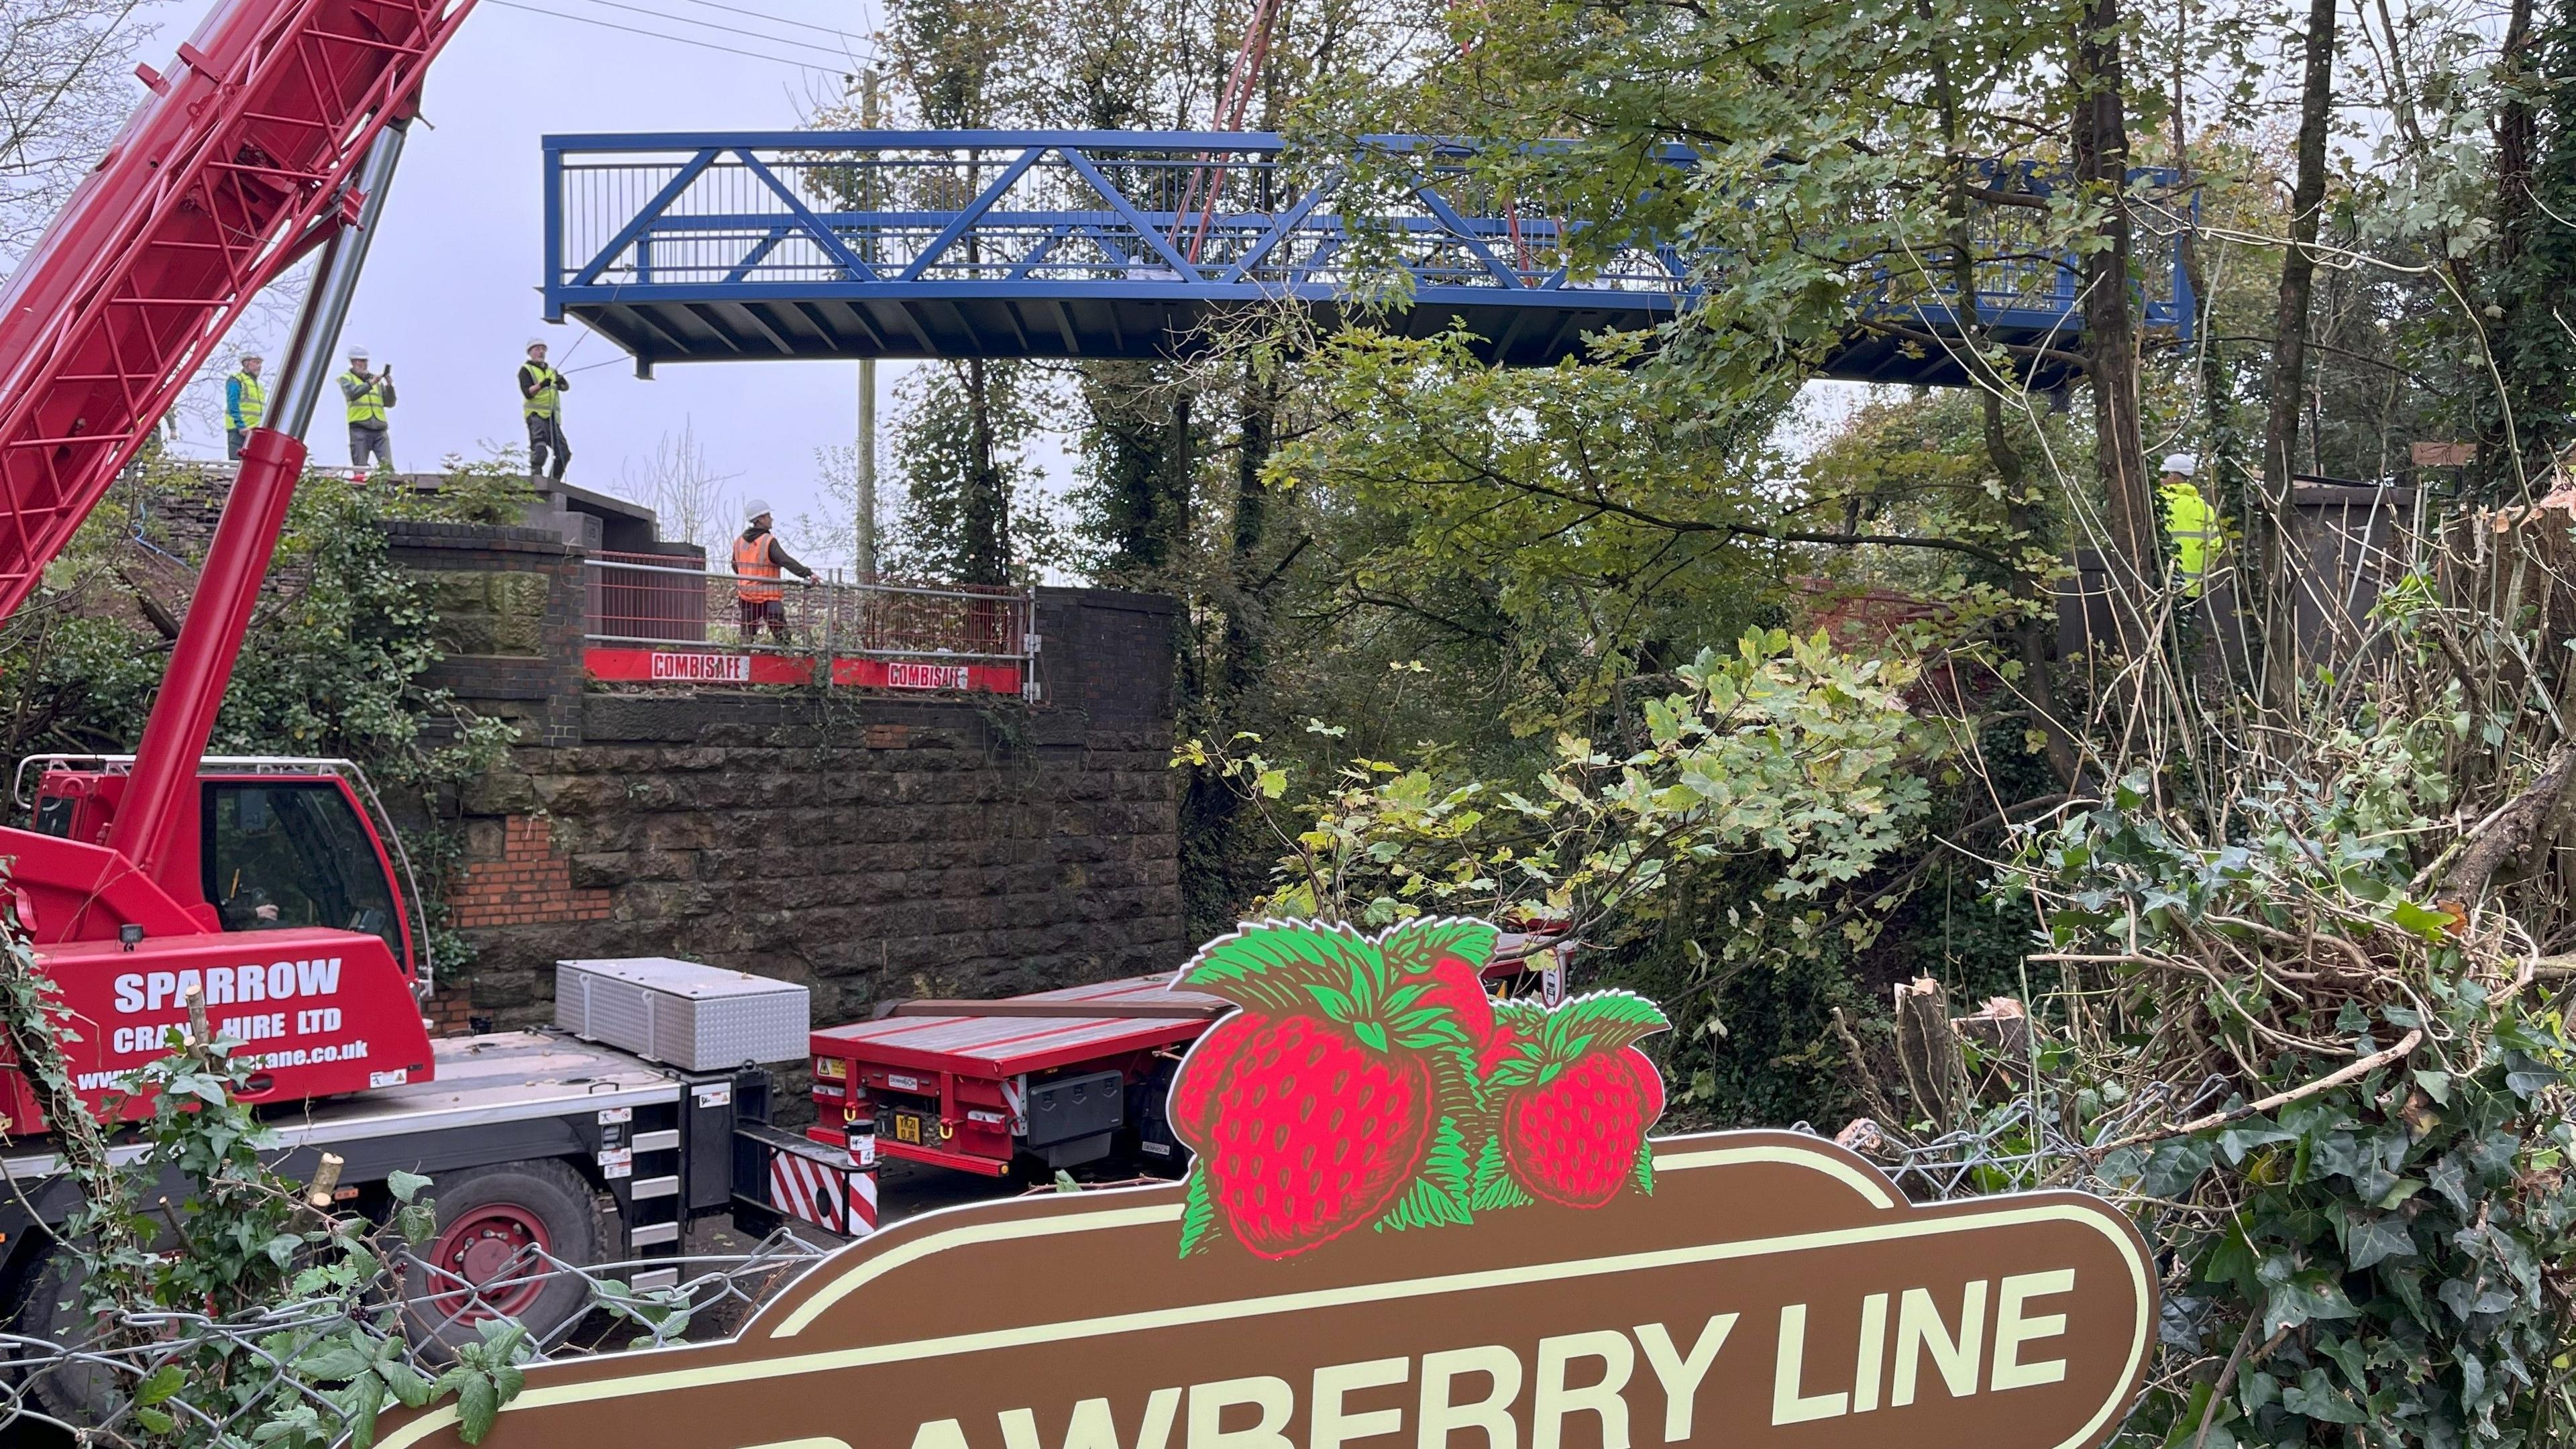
[488,1219]
[45,1303]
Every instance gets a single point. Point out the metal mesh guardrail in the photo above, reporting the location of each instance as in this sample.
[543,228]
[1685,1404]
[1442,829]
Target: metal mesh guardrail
[644,599]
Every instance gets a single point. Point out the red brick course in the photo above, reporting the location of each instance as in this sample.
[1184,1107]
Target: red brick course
[530,885]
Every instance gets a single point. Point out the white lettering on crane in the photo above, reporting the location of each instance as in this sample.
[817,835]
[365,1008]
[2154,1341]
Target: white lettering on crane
[139,991]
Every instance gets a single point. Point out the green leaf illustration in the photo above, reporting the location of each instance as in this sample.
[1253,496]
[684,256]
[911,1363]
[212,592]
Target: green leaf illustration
[1414,945]
[1603,1022]
[1494,1186]
[1198,1211]
[1438,1196]
[1423,1206]
[1269,964]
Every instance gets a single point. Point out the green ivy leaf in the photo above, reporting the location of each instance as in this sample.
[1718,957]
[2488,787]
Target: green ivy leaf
[405,1185]
[2175,1165]
[2425,922]
[2375,1239]
[2316,1397]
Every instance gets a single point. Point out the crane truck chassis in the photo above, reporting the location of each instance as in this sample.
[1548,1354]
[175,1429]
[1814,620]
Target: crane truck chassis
[540,1145]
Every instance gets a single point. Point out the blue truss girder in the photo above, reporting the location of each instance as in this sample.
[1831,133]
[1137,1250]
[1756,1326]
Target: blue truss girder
[706,246]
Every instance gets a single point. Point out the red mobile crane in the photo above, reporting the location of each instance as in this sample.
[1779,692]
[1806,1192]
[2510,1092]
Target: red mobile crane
[144,876]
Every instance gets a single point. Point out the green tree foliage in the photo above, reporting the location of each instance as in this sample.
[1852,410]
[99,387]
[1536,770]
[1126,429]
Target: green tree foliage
[334,660]
[2535,343]
[1697,857]
[962,452]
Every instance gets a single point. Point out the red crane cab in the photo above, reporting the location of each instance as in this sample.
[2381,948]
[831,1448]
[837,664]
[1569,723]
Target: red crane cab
[304,942]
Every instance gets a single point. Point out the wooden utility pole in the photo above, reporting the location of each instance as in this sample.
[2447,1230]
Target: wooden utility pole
[867,453]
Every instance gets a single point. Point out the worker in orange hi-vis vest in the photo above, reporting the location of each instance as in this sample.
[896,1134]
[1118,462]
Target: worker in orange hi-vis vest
[757,558]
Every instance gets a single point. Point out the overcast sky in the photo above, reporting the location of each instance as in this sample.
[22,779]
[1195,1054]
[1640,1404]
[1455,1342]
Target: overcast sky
[450,299]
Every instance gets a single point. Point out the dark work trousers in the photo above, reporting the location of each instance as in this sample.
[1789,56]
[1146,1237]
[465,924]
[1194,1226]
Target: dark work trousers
[546,434]
[371,439]
[233,440]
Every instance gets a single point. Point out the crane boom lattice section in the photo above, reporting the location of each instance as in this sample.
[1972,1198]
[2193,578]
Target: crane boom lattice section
[239,163]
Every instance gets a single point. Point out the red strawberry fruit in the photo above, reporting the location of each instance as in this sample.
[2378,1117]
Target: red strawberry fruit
[1193,1101]
[1456,986]
[1574,1138]
[1304,1132]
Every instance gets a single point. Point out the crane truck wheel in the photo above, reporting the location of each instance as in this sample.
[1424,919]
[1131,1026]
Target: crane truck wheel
[45,1304]
[497,1226]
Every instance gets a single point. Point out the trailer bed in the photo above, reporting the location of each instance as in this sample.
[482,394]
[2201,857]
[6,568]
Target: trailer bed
[503,1077]
[1009,1046]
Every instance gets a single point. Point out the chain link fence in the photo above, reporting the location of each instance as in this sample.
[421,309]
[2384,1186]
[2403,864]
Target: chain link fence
[2022,1145]
[110,1386]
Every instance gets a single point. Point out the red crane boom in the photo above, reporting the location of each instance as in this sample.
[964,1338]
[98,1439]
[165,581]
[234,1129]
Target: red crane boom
[237,165]
[276,135]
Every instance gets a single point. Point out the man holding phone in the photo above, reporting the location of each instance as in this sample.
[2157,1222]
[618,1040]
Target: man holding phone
[368,395]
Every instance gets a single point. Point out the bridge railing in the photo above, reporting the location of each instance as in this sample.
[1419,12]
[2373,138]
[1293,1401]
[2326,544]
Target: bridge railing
[645,617]
[1067,214]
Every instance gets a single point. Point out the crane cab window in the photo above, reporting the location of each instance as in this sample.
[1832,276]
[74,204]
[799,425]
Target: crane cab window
[295,853]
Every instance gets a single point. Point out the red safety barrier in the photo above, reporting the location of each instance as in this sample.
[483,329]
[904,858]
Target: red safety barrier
[657,618]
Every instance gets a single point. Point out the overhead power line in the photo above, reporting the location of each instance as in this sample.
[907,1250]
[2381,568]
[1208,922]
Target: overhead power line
[674,39]
[731,29]
[783,20]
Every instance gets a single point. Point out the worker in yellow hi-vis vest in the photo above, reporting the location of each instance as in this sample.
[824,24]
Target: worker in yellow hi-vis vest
[368,395]
[541,391]
[245,404]
[2191,520]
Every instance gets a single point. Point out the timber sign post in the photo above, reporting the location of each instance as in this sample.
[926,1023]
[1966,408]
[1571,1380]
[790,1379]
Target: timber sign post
[1417,1220]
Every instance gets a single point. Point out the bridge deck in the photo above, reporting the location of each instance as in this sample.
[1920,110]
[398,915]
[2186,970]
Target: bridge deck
[712,247]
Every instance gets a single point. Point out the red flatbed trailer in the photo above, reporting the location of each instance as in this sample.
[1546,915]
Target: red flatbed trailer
[1056,1078]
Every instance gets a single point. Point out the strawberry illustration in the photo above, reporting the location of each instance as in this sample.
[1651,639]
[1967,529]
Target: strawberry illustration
[1575,1140]
[1325,1102]
[1448,958]
[1457,985]
[1210,1062]
[1304,1133]
[1574,1100]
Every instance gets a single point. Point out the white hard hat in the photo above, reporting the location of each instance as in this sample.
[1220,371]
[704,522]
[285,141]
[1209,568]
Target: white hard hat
[754,509]
[253,355]
[2182,463]
[536,342]
[359,352]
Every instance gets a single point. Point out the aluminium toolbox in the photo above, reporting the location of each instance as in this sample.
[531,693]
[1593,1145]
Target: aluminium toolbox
[697,1018]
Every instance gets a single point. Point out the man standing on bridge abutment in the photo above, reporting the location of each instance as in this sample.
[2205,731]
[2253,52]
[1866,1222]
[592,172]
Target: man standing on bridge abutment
[541,390]
[368,394]
[757,558]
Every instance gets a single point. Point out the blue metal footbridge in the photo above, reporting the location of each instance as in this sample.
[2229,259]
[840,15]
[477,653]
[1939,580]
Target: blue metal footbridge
[698,247]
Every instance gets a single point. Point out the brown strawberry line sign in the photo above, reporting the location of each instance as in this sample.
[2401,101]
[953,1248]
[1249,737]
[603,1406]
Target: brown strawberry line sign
[1770,1290]
[1415,1212]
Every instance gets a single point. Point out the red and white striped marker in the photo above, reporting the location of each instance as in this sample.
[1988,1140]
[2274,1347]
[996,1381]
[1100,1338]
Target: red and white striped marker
[835,1191]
